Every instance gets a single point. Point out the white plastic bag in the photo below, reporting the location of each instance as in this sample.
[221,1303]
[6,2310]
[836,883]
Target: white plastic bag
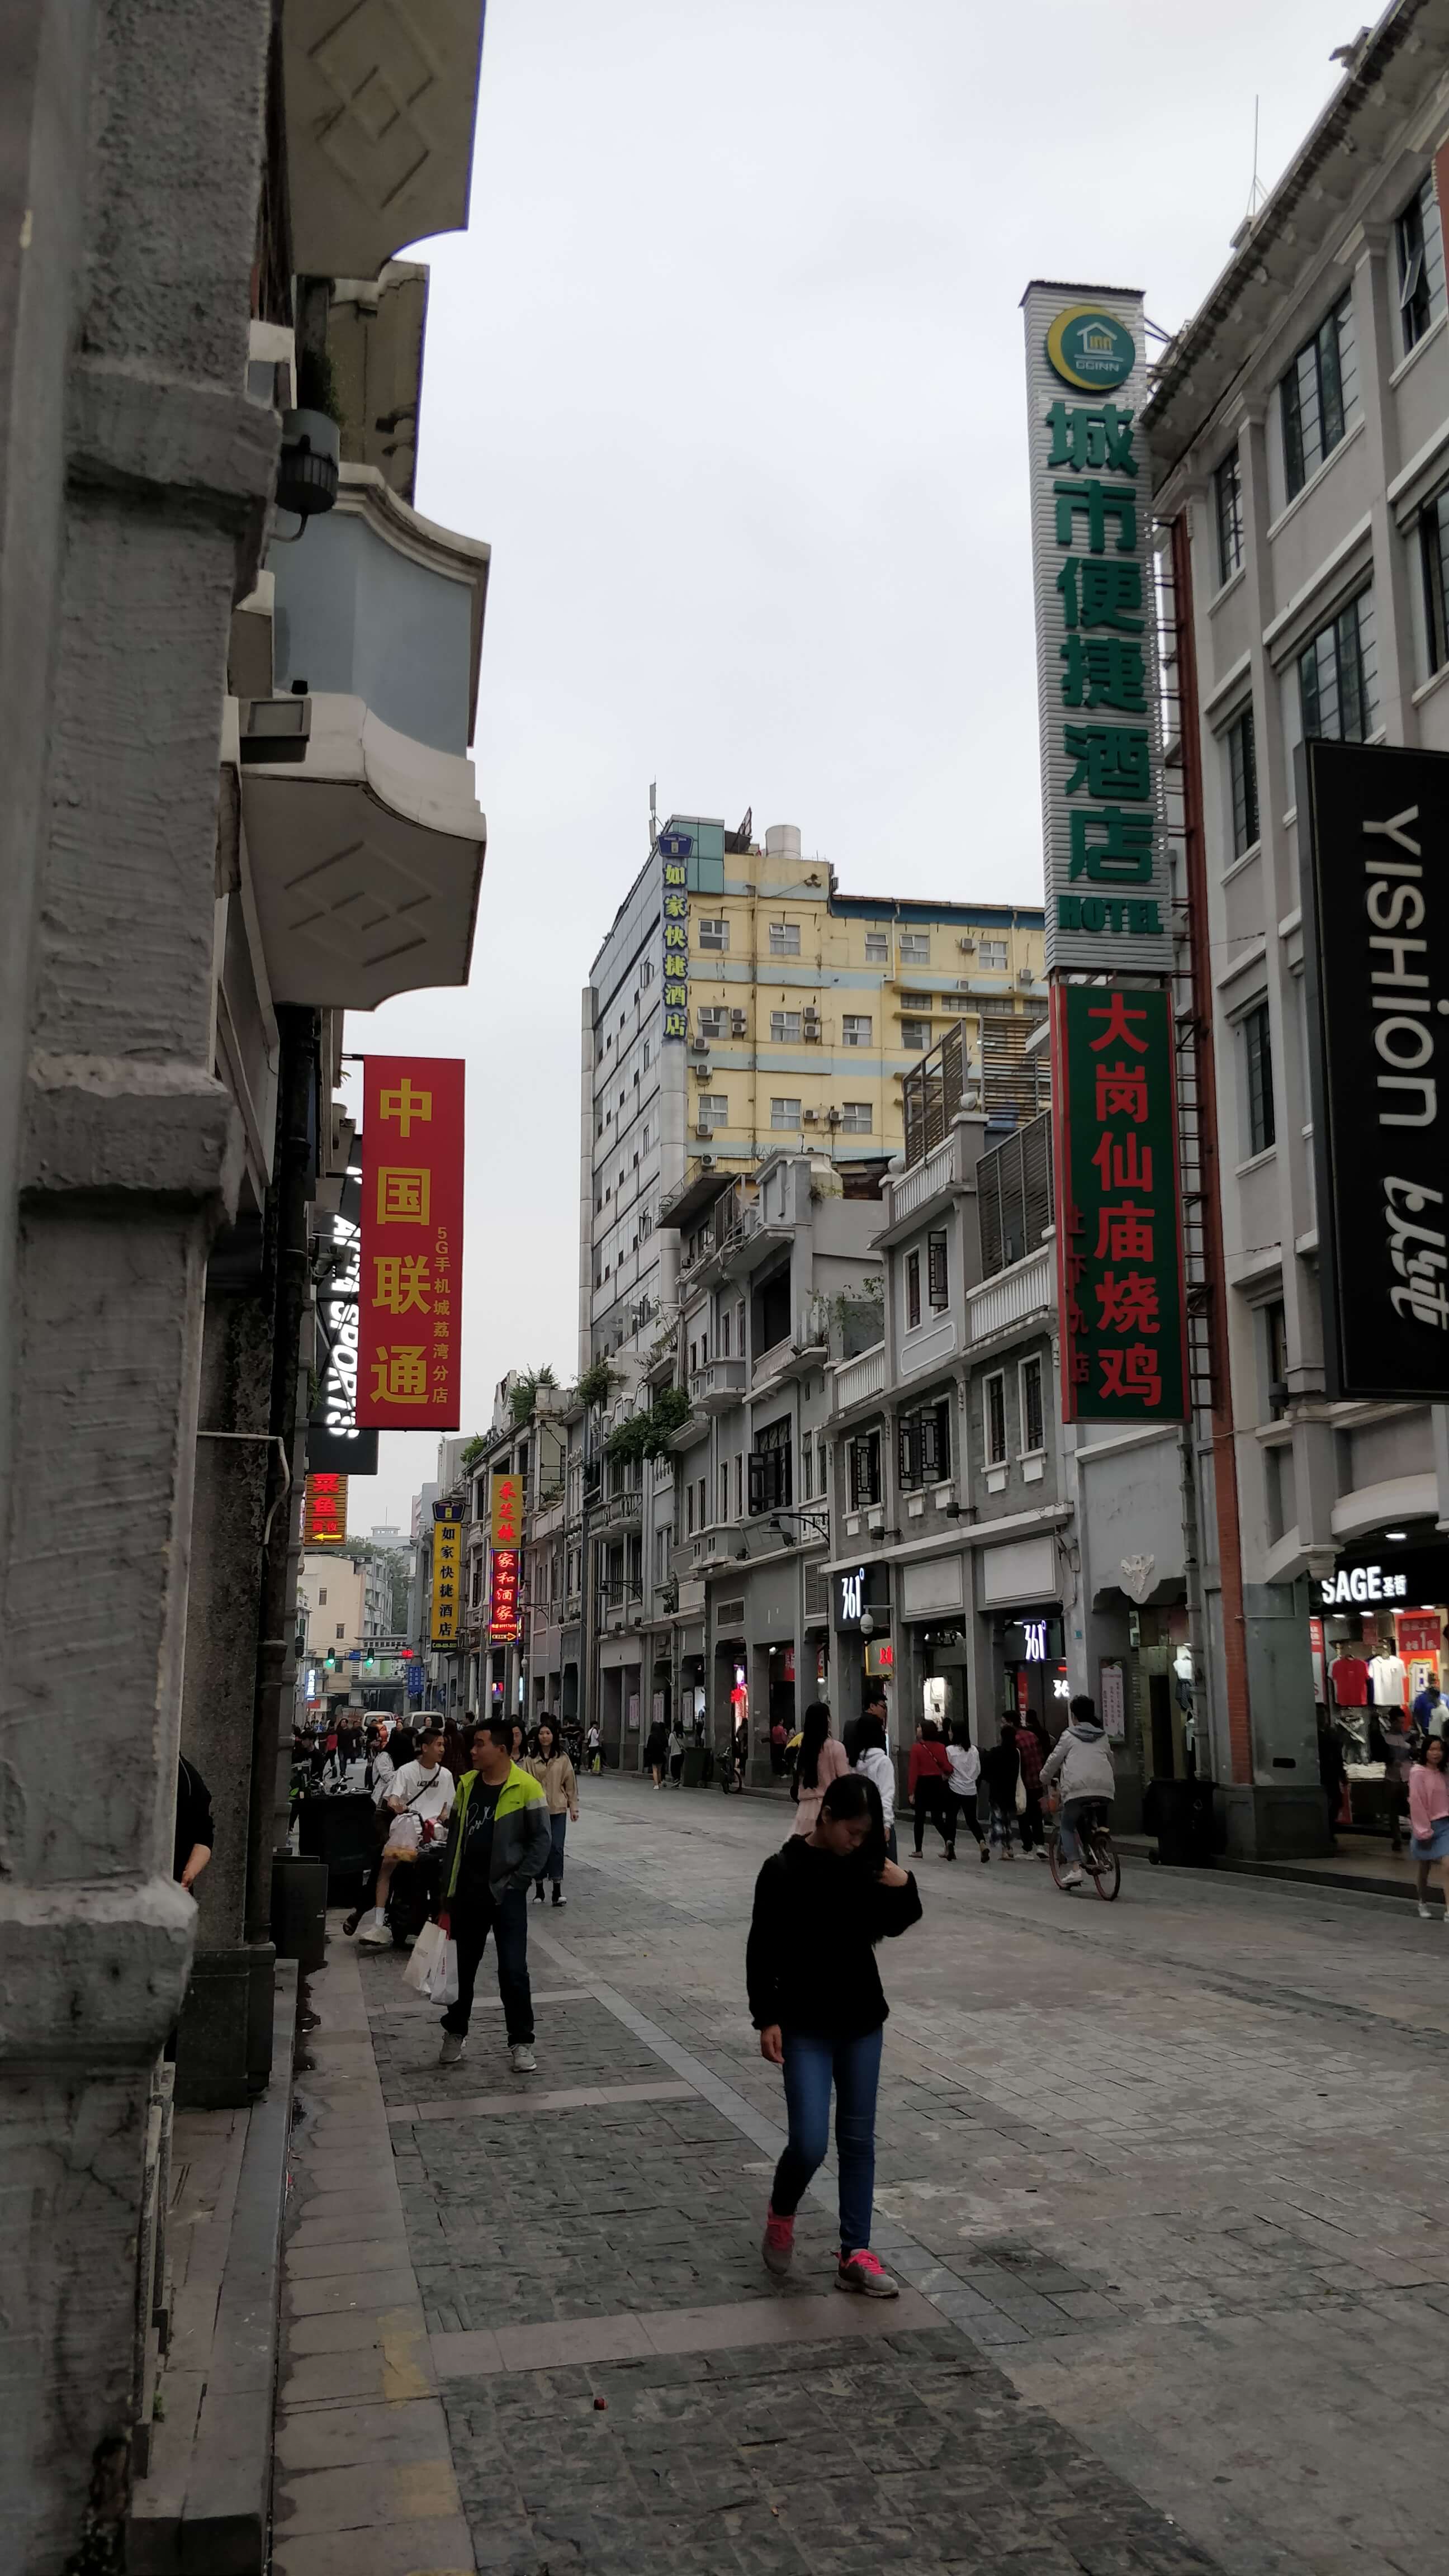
[425,1953]
[442,1985]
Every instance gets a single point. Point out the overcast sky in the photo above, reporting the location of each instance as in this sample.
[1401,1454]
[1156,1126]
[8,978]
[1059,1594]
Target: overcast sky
[728,368]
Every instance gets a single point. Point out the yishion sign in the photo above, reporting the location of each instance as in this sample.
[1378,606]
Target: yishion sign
[1375,869]
[1107,870]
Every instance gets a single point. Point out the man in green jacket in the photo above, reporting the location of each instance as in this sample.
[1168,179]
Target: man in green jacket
[498,1843]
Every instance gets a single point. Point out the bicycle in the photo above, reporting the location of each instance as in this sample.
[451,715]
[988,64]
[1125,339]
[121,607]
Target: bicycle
[1100,1861]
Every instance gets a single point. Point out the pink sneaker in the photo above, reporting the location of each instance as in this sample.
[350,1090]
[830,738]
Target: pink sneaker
[778,2244]
[861,2271]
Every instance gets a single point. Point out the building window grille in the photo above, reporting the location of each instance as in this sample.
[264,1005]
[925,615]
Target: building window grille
[913,1290]
[995,1421]
[1243,773]
[1320,393]
[1228,502]
[1033,1422]
[936,1287]
[864,1469]
[1338,676]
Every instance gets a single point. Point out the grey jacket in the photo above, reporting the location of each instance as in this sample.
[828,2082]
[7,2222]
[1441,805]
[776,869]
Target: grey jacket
[1083,1762]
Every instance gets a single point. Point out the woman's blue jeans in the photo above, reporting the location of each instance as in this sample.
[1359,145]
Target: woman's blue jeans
[812,2064]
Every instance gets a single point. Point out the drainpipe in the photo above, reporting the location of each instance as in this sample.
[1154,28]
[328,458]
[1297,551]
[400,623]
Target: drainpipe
[1221,1442]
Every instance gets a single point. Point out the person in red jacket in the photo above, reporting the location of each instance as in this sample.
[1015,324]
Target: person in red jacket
[926,1781]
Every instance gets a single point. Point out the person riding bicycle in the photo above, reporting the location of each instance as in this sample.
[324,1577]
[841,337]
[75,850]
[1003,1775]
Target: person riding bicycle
[1081,1762]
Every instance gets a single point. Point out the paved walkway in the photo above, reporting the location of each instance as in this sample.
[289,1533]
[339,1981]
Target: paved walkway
[1161,2178]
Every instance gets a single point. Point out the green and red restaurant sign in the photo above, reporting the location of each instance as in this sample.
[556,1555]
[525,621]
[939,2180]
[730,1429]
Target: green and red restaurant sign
[1119,1241]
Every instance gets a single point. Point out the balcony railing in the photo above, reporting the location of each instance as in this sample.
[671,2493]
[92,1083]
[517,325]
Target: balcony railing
[1025,1289]
[861,1378]
[771,1362]
[913,1189]
[620,1511]
[931,1094]
[717,1384]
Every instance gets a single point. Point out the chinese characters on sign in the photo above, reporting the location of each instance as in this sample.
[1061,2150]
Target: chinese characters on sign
[674,852]
[411,1295]
[505,1605]
[447,1572]
[324,1511]
[1376,960]
[1119,1254]
[1108,879]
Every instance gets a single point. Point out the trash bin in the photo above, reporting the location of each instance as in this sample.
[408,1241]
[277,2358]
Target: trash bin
[1180,1814]
[342,1831]
[299,1910]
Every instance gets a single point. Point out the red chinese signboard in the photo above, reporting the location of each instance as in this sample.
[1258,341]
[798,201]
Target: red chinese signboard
[410,1295]
[505,1607]
[1119,1245]
[324,1511]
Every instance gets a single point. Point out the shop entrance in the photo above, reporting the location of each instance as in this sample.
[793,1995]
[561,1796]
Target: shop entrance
[1377,1641]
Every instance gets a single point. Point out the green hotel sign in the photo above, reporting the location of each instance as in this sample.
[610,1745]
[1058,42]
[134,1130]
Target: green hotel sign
[1108,877]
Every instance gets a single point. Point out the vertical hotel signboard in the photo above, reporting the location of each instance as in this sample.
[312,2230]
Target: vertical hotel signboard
[410,1296]
[447,1573]
[505,1603]
[1376,961]
[674,853]
[1119,1247]
[1108,881]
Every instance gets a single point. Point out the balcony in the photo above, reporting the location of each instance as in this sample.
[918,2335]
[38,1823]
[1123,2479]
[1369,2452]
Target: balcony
[619,1511]
[932,1092]
[856,1381]
[1027,1288]
[717,1386]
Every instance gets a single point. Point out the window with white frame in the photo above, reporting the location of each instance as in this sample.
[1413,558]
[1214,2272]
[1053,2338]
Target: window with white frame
[784,939]
[916,1036]
[993,1419]
[713,934]
[1338,686]
[711,1020]
[1320,396]
[857,1118]
[877,948]
[915,948]
[784,1113]
[991,956]
[855,1028]
[713,1109]
[1033,1417]
[1419,243]
[785,1028]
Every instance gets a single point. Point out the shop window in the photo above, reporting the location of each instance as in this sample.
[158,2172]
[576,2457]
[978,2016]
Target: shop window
[936,1269]
[923,1446]
[994,1420]
[863,1453]
[770,1480]
[1033,1420]
[913,1290]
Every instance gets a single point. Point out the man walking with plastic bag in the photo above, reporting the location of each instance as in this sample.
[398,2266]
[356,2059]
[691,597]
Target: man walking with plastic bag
[498,1844]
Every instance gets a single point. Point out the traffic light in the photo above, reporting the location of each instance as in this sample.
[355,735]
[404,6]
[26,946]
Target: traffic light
[331,1661]
[368,1660]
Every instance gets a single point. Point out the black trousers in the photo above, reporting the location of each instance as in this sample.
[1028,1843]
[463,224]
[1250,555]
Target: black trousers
[953,1807]
[929,1804]
[472,1920]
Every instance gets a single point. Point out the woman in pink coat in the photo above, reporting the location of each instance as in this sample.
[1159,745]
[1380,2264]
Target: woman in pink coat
[819,1761]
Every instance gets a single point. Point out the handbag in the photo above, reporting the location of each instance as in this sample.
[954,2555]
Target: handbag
[423,1959]
[1020,1795]
[442,1985]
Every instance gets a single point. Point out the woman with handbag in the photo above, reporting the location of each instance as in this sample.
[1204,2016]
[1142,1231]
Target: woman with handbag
[419,1799]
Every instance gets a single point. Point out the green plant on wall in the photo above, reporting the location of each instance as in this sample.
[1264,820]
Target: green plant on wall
[472,1451]
[595,1385]
[523,1396]
[647,1435]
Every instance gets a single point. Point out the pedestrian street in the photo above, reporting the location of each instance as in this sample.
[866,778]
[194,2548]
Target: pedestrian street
[1157,2179]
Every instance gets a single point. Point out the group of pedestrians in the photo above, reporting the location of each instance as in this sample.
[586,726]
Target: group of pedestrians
[416,1790]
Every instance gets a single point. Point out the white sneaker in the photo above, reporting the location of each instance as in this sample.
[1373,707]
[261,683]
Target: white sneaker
[1071,1878]
[454,2043]
[374,1936]
[521,2058]
[1425,1914]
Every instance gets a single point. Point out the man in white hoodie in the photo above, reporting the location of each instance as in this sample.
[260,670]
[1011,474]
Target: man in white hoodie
[1081,1760]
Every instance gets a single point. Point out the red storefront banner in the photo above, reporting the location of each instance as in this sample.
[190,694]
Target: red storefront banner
[1119,1244]
[410,1293]
[505,1608]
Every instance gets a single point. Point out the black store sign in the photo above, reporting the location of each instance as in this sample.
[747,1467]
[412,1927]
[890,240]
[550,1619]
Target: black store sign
[864,1587]
[335,1446]
[1375,874]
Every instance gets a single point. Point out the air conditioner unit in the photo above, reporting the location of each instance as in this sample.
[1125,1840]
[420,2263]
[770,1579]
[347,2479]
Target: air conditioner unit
[832,1117]
[739,1022]
[706,1161]
[967,947]
[810,1117]
[701,1073]
[1025,976]
[809,1014]
[811,1033]
[699,1046]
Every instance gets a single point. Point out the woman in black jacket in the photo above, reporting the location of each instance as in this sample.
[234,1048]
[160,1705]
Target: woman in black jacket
[821,1905]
